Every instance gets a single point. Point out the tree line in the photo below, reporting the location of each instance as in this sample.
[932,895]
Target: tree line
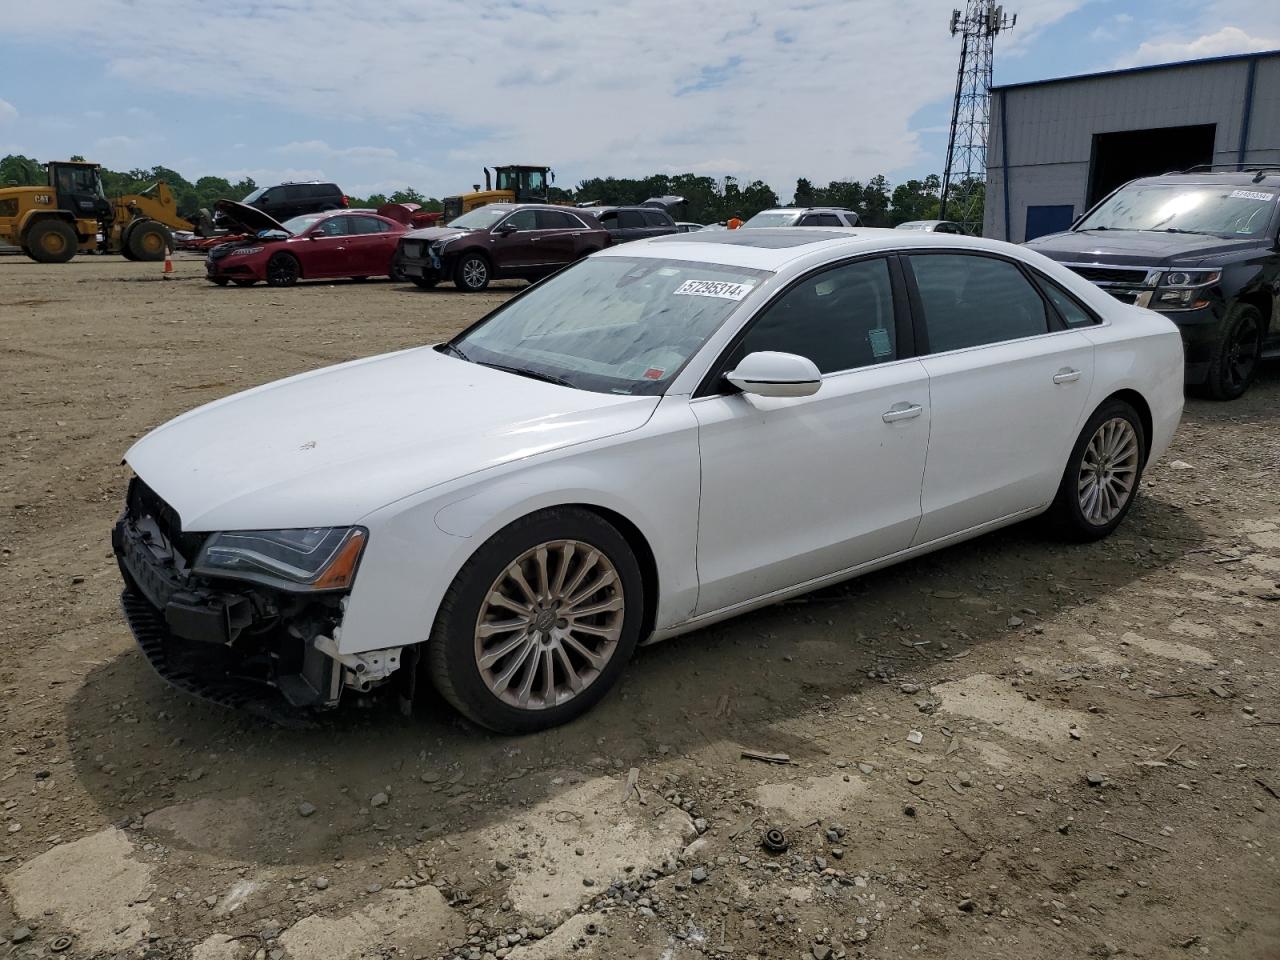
[710,199]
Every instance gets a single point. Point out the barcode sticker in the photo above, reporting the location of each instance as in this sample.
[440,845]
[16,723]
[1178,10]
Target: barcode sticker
[1251,195]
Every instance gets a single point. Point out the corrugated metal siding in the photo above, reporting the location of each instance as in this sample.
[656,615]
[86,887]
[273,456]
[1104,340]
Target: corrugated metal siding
[1051,128]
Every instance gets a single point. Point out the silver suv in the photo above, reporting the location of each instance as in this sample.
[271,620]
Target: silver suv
[804,217]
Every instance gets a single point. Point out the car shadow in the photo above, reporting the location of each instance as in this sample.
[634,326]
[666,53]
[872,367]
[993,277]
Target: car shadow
[230,783]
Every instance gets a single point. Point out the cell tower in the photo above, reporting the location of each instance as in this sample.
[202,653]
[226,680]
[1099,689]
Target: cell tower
[965,180]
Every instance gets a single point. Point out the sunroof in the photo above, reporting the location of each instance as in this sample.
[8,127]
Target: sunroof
[771,239]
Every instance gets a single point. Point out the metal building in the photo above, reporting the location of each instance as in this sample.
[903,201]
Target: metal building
[1057,147]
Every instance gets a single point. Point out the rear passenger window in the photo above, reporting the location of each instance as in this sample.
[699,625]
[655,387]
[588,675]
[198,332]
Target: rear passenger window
[656,218]
[628,219]
[298,192]
[554,220]
[829,220]
[365,224]
[808,220]
[840,319]
[971,300]
[1073,315]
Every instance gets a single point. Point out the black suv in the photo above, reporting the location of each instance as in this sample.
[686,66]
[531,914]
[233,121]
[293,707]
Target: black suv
[287,200]
[633,223]
[1201,247]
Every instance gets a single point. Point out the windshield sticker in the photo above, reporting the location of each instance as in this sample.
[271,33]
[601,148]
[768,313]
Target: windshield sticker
[1251,195]
[713,288]
[654,373]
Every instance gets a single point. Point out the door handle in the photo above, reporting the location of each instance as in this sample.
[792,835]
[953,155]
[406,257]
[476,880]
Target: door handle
[1066,375]
[902,411]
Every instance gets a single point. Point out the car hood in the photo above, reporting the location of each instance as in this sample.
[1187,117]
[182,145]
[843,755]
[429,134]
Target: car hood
[327,448]
[1136,247]
[246,218]
[436,233]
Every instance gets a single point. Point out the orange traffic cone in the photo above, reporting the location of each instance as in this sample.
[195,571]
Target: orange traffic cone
[168,262]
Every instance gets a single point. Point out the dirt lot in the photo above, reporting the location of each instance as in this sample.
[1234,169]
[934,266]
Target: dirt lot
[1094,768]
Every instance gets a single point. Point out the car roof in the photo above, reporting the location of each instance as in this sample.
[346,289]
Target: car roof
[807,210]
[1270,177]
[619,206]
[773,248]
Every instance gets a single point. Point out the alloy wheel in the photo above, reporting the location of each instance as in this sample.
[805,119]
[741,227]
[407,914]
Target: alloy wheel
[549,624]
[1108,471]
[282,271]
[475,272]
[1242,355]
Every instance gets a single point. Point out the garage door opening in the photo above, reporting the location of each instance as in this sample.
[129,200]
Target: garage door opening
[1120,157]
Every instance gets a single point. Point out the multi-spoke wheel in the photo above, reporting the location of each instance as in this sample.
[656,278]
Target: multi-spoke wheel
[283,270]
[538,625]
[472,272]
[1102,476]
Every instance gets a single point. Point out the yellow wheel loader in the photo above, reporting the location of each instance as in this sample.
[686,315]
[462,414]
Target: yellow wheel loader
[72,214]
[510,184]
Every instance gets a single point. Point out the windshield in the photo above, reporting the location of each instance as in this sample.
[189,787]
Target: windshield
[296,225]
[255,195]
[611,324]
[1220,210]
[481,218]
[784,219]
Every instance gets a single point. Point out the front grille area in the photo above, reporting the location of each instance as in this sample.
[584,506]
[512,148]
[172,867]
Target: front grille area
[142,501]
[412,248]
[1113,274]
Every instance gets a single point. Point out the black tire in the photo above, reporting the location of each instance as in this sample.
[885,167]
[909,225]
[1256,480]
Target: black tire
[51,241]
[1067,513]
[243,283]
[472,272]
[148,241]
[425,283]
[283,270]
[124,242]
[1233,361]
[218,281]
[451,654]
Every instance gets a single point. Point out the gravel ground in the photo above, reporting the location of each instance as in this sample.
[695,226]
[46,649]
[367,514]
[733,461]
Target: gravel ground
[1010,749]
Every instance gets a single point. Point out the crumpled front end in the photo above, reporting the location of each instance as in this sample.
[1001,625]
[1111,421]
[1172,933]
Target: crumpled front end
[234,642]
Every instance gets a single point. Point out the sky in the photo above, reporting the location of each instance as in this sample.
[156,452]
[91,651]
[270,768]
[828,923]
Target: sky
[424,93]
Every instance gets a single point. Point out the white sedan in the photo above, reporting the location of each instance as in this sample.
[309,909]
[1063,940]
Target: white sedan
[662,436]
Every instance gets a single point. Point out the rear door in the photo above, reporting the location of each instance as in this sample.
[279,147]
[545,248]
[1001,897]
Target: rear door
[555,241]
[1008,383]
[657,223]
[796,489]
[370,247]
[630,226]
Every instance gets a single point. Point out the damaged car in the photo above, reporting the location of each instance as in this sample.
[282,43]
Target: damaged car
[313,246]
[499,242]
[665,435]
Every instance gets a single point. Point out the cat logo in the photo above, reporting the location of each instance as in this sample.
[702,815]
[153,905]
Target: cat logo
[43,198]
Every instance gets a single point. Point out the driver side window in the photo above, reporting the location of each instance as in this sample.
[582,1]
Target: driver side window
[841,319]
[522,220]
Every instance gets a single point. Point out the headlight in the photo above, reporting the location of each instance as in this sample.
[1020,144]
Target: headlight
[317,558]
[1189,278]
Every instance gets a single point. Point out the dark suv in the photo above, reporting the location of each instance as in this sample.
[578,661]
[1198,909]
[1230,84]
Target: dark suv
[287,200]
[500,241]
[1201,247]
[634,223]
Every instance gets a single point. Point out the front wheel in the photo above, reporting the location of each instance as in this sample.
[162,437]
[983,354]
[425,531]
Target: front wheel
[282,270]
[471,273]
[244,283]
[539,623]
[1236,352]
[1102,476]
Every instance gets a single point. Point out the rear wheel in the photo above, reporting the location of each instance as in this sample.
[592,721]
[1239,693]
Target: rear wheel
[1234,359]
[1102,476]
[149,241]
[282,270]
[539,623]
[124,242]
[472,272]
[51,241]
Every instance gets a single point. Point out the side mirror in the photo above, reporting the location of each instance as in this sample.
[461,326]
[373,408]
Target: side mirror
[506,230]
[767,373]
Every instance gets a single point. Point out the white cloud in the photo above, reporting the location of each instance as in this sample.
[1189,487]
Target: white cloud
[773,89]
[1226,40]
[7,111]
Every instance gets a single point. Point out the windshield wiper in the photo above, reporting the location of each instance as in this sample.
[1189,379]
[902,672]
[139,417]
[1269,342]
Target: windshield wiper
[1180,230]
[456,351]
[531,374]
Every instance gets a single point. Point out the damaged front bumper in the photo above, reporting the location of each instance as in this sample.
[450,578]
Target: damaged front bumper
[231,642]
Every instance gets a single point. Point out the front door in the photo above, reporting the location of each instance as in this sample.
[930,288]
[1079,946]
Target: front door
[796,489]
[511,242]
[326,253]
[1008,391]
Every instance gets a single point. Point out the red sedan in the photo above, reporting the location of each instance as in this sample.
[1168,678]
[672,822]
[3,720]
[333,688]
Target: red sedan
[340,243]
